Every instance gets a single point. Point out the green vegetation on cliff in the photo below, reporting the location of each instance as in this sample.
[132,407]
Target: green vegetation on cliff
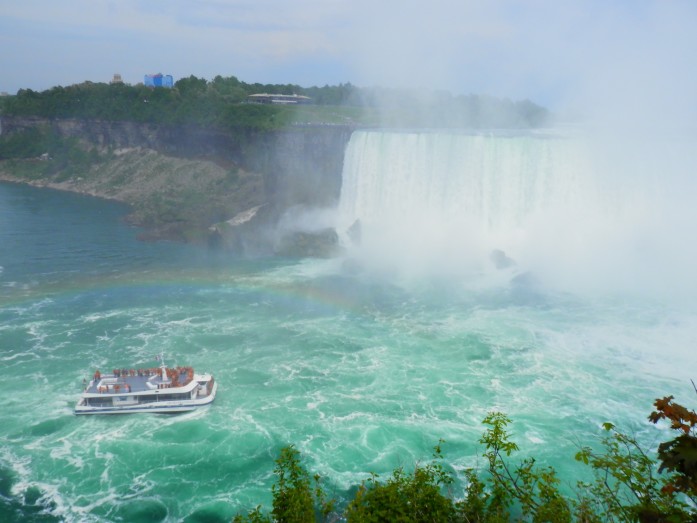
[172,197]
[221,102]
[192,101]
[627,484]
[51,155]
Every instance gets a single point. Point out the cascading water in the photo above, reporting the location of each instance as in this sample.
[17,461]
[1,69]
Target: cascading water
[494,184]
[443,201]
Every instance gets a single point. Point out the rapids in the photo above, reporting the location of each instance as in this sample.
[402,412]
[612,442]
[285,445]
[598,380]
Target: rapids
[362,361]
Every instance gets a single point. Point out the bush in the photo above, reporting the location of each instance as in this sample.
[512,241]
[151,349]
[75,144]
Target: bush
[294,500]
[405,497]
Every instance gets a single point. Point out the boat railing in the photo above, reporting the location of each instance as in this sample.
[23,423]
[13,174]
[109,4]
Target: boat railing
[157,378]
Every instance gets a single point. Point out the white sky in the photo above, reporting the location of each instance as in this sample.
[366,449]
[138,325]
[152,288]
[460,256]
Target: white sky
[559,53]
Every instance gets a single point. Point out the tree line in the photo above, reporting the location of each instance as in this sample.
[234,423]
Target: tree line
[629,485]
[222,102]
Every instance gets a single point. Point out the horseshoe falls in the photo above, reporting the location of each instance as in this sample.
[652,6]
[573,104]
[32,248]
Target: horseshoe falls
[559,205]
[543,275]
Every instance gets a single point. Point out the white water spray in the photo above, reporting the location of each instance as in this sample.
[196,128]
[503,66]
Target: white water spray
[440,203]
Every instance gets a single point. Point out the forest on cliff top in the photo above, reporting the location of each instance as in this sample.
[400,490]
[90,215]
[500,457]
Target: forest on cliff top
[222,102]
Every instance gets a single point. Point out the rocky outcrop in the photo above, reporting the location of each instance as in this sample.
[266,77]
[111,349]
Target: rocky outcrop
[302,165]
[317,244]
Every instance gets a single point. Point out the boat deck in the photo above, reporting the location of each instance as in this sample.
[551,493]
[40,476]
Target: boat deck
[124,381]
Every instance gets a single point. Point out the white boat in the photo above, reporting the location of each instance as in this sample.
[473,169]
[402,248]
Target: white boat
[157,389]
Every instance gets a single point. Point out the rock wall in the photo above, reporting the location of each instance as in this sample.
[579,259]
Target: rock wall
[301,165]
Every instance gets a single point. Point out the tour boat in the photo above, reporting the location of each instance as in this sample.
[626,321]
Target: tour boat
[157,389]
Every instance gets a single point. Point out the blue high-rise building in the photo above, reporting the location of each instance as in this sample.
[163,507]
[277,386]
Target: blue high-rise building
[158,80]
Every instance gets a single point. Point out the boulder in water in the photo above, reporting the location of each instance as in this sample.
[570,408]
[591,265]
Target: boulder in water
[525,280]
[501,260]
[351,266]
[247,233]
[318,244]
[355,232]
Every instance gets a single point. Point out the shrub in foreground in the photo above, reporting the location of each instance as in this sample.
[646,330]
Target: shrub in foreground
[629,484]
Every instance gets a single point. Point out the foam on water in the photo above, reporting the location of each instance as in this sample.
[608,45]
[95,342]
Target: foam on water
[356,391]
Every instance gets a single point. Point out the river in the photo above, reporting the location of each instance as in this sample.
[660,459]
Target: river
[363,361]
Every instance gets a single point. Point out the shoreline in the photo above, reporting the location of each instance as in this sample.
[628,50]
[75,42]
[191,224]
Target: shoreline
[169,198]
[40,184]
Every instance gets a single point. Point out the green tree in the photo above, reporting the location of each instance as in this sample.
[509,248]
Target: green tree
[191,85]
[626,486]
[294,498]
[292,494]
[405,497]
[531,489]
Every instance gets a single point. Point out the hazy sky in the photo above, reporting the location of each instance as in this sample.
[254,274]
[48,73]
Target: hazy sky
[554,52]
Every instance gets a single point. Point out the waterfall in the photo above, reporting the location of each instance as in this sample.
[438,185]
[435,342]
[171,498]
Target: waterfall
[491,182]
[445,200]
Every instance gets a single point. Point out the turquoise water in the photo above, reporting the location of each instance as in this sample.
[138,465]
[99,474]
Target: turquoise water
[363,371]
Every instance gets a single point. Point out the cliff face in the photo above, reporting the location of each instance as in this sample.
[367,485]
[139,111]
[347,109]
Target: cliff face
[300,165]
[204,175]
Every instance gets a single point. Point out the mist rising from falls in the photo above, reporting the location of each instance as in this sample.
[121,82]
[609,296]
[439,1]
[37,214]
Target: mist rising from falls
[438,203]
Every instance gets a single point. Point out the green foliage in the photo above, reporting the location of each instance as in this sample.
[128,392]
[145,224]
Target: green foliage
[626,487]
[476,507]
[28,144]
[221,102]
[404,497]
[294,498]
[679,455]
[254,516]
[292,494]
[254,116]
[191,86]
[52,154]
[527,487]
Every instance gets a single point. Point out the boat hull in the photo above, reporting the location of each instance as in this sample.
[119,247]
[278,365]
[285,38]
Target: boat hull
[163,407]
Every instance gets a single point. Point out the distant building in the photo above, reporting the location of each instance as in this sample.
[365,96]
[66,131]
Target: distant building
[116,79]
[158,80]
[283,99]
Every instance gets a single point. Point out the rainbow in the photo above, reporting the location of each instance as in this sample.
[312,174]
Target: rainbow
[270,284]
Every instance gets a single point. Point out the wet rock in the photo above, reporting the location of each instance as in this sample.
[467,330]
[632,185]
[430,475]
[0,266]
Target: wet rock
[500,260]
[317,244]
[355,232]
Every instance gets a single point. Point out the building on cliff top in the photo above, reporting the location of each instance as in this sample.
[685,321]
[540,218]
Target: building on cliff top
[158,80]
[287,99]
